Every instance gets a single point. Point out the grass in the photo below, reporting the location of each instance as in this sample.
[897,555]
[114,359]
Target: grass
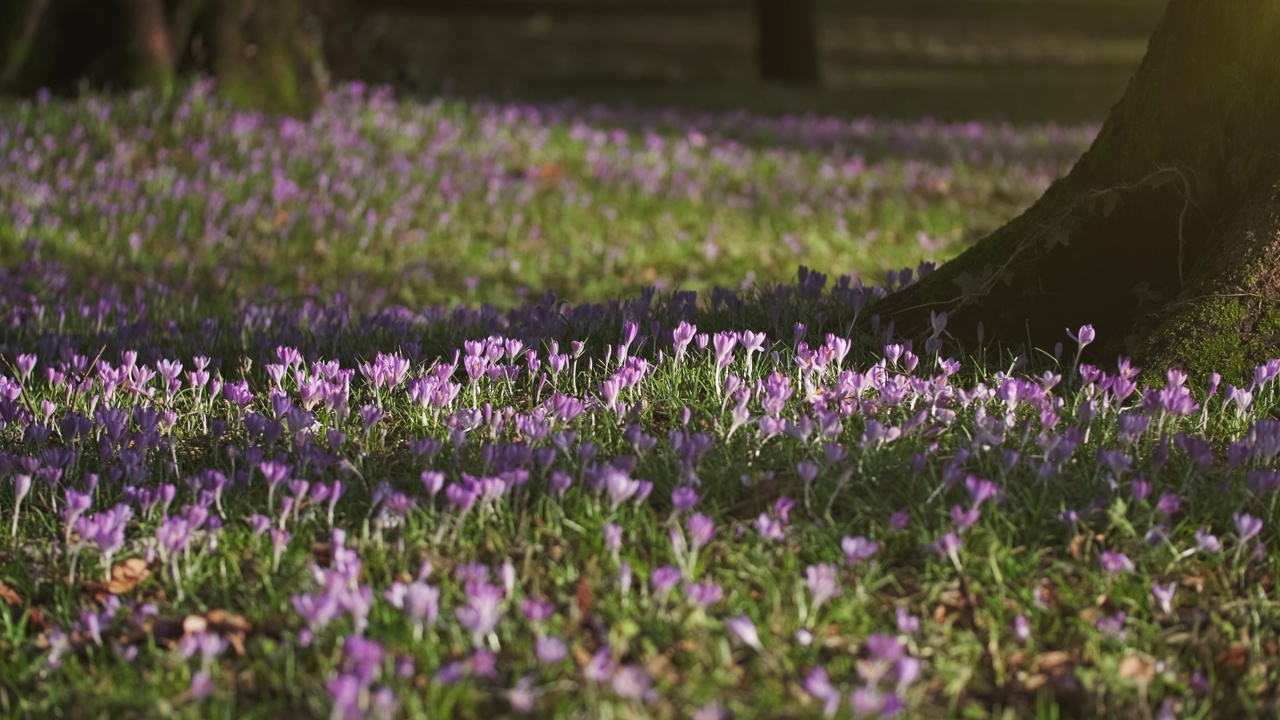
[481,202]
[1022,509]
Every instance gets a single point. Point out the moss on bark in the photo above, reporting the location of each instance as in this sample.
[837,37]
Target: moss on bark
[1228,321]
[1158,223]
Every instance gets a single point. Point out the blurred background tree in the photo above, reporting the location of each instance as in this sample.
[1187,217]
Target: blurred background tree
[1061,60]
[264,53]
[787,32]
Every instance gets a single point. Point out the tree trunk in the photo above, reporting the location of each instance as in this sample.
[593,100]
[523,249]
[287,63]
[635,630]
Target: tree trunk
[263,53]
[787,33]
[149,44]
[1165,235]
[19,25]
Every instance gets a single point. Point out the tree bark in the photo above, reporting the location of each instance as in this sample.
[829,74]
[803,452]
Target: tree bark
[19,26]
[1164,235]
[150,49]
[787,33]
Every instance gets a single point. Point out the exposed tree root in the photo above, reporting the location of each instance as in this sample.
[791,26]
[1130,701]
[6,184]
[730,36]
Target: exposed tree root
[1164,235]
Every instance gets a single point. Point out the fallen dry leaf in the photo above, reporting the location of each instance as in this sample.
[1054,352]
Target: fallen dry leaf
[225,621]
[9,596]
[1136,667]
[550,173]
[581,656]
[194,624]
[585,597]
[1052,661]
[1233,659]
[1035,682]
[126,576]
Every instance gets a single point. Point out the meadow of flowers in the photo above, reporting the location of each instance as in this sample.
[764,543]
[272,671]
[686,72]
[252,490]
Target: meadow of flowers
[247,470]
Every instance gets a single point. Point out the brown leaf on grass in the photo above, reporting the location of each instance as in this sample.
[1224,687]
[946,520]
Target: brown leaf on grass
[1232,660]
[233,628]
[550,173]
[193,624]
[1053,661]
[126,575]
[1135,667]
[36,621]
[1035,682]
[1078,543]
[585,597]
[1081,543]
[9,596]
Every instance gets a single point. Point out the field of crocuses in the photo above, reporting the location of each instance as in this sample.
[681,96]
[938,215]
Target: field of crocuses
[256,460]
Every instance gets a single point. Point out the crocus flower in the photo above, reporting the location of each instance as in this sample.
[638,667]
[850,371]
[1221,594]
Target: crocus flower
[899,521]
[684,498]
[746,631]
[633,683]
[1114,562]
[612,537]
[705,594]
[21,486]
[866,702]
[1247,526]
[1163,595]
[201,685]
[908,624]
[857,549]
[823,583]
[1083,337]
[362,658]
[664,578]
[818,685]
[701,529]
[1022,629]
[1207,542]
[481,614]
[550,650]
[536,610]
[523,697]
[1113,626]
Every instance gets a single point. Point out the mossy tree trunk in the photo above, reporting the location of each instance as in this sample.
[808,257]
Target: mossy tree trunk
[1165,236]
[263,53]
[787,33]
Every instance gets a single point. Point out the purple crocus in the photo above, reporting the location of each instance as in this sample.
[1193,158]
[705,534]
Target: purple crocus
[612,537]
[21,486]
[704,594]
[1247,526]
[746,631]
[419,601]
[1207,542]
[857,549]
[1114,562]
[482,612]
[701,529]
[550,650]
[1163,595]
[823,583]
[817,684]
[684,498]
[664,579]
